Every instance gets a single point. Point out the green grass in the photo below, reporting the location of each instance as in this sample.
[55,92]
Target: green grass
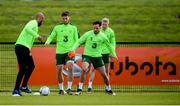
[132,20]
[165,98]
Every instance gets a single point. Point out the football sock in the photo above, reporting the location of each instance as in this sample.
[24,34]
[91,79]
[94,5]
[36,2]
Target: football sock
[61,87]
[90,84]
[108,87]
[69,85]
[80,85]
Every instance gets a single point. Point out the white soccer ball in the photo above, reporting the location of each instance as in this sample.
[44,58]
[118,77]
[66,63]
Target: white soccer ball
[44,91]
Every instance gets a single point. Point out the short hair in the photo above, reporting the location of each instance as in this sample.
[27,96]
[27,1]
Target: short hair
[105,20]
[97,22]
[65,13]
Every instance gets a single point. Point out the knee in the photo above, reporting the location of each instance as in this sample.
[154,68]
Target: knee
[85,67]
[22,70]
[31,67]
[83,72]
[59,68]
[70,66]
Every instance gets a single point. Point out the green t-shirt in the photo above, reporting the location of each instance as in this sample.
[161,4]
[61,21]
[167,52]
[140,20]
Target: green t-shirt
[93,44]
[66,37]
[28,34]
[111,37]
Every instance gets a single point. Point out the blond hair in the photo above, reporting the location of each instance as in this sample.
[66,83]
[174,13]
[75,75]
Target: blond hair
[105,20]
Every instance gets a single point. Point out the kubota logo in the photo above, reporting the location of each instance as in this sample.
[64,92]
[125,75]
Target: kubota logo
[147,67]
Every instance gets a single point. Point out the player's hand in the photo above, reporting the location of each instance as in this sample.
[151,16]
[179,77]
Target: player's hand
[40,38]
[113,57]
[71,54]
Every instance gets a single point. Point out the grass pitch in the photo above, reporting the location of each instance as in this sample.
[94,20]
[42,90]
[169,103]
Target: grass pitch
[132,20]
[96,98]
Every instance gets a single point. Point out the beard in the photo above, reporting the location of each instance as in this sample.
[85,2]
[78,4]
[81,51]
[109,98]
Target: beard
[40,23]
[96,32]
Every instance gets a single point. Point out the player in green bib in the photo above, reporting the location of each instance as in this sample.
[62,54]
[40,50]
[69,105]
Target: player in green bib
[66,36]
[94,41]
[105,51]
[23,46]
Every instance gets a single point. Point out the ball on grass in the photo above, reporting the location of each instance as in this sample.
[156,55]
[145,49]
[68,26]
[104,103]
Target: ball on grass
[44,91]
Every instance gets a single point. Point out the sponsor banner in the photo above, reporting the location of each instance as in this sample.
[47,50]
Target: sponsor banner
[135,66]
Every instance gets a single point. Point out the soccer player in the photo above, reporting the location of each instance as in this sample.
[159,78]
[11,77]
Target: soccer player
[67,36]
[94,41]
[22,49]
[105,52]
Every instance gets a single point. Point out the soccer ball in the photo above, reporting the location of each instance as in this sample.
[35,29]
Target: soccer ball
[44,91]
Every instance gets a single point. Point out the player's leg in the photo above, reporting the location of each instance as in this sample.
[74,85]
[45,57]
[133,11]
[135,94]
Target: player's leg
[29,69]
[60,59]
[85,67]
[77,70]
[70,76]
[98,65]
[106,60]
[106,80]
[91,78]
[20,52]
[107,66]
[76,65]
[60,78]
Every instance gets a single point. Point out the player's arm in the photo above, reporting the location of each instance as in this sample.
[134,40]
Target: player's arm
[110,47]
[71,53]
[113,39]
[51,37]
[76,34]
[79,42]
[40,38]
[29,28]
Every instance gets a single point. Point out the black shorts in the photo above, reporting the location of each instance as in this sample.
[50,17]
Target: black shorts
[62,58]
[96,61]
[105,58]
[24,56]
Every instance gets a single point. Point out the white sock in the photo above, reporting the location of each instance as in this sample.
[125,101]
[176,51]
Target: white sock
[69,85]
[80,85]
[108,87]
[61,87]
[90,84]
